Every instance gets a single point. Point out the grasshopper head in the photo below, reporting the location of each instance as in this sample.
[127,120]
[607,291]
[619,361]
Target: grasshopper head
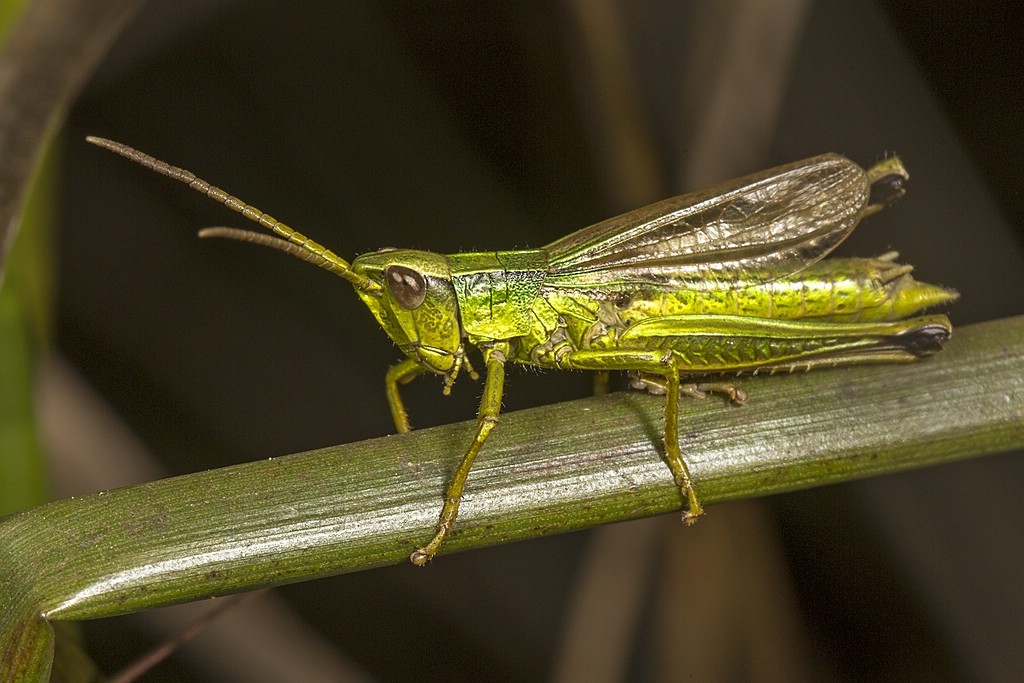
[409,292]
[415,305]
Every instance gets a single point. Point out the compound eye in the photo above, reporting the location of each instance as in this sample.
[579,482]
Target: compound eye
[406,285]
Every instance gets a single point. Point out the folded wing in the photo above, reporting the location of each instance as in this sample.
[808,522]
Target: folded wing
[756,228]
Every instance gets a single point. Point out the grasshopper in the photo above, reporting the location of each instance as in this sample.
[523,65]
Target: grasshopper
[721,281]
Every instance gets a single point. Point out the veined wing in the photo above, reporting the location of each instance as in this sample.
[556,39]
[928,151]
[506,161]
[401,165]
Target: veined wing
[760,227]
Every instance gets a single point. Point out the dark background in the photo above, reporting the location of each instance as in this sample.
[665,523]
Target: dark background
[459,126]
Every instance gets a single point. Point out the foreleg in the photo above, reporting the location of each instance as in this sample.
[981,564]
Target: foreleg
[487,417]
[403,373]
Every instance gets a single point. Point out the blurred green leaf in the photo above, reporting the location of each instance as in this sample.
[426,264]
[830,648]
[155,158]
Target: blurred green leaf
[25,304]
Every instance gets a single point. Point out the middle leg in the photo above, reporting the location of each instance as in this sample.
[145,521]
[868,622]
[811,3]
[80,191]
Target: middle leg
[660,364]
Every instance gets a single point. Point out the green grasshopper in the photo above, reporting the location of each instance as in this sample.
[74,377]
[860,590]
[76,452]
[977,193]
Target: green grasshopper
[724,280]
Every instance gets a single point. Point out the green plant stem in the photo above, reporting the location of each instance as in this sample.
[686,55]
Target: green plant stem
[545,470]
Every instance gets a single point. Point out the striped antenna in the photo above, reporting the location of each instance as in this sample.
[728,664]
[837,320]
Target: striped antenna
[292,241]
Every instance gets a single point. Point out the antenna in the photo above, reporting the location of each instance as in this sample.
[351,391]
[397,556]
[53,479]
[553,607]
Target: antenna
[292,241]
